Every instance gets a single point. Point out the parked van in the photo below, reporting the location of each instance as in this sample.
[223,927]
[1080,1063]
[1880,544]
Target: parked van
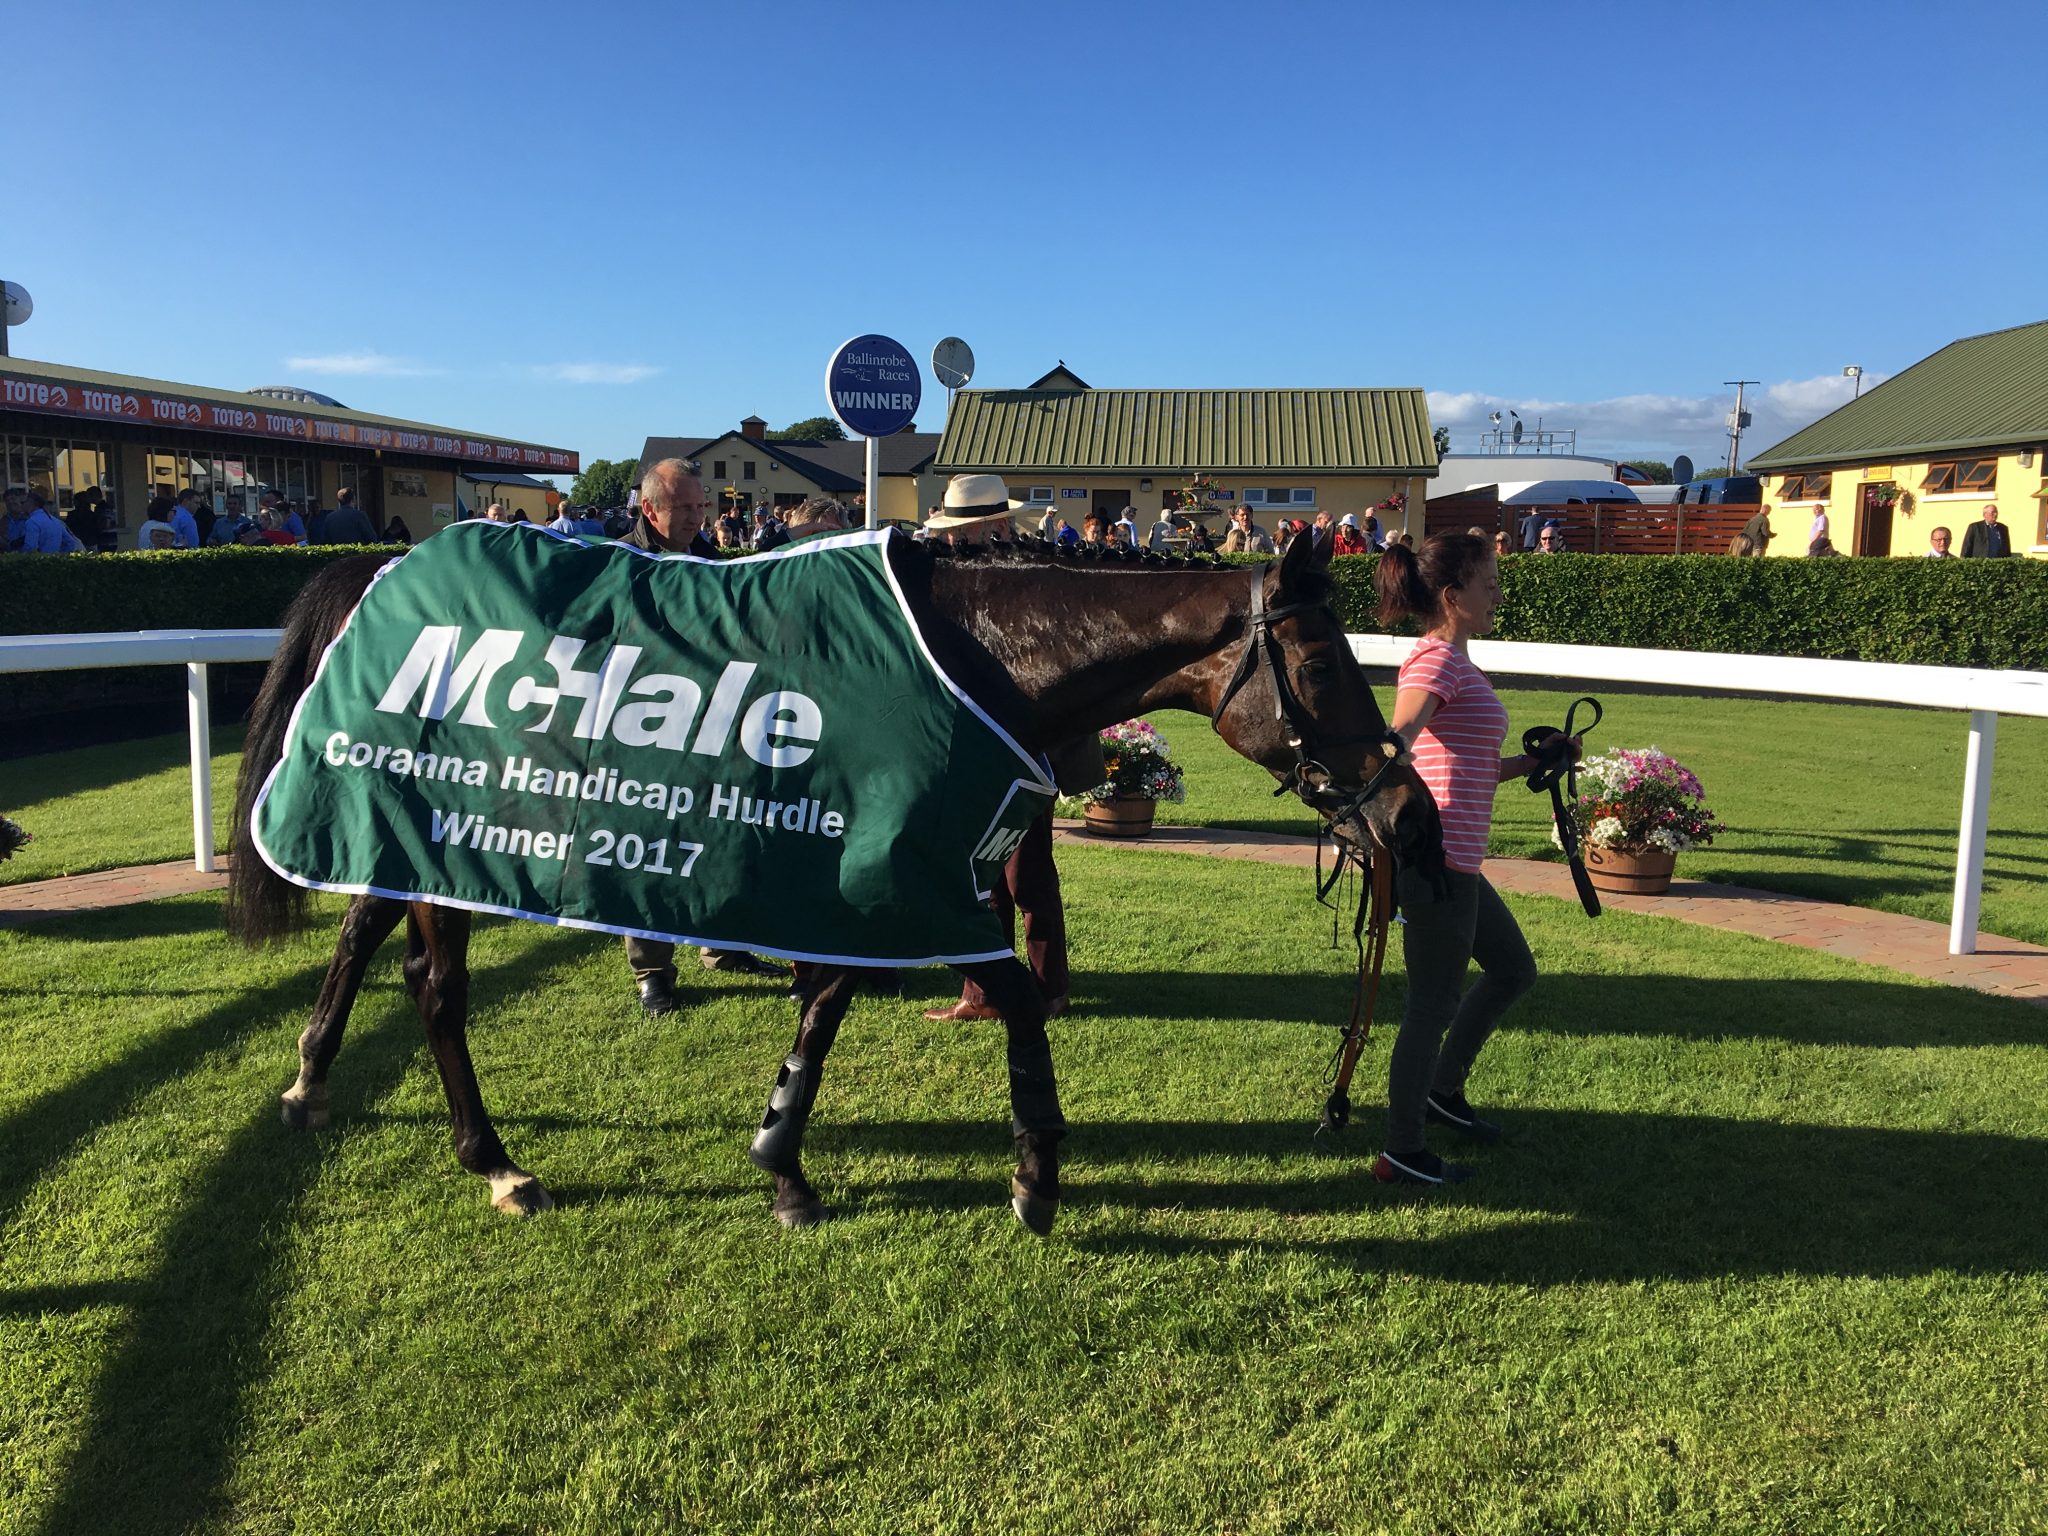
[1741,490]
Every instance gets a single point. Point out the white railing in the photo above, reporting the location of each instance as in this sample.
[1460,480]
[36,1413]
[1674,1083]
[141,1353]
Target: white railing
[192,649]
[1984,694]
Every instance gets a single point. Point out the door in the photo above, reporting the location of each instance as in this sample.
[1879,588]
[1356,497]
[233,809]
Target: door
[1874,519]
[1110,504]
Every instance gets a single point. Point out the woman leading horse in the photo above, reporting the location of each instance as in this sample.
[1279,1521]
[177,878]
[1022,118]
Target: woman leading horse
[1055,649]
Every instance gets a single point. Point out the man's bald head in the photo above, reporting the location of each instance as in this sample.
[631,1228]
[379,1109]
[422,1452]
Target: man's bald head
[673,502]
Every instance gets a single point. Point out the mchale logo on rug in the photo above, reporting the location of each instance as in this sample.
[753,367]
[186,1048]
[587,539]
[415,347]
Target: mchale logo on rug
[657,709]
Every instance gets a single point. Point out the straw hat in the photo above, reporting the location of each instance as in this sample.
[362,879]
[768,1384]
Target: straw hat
[972,500]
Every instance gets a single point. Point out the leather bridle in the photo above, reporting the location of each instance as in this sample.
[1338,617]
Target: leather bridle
[1309,778]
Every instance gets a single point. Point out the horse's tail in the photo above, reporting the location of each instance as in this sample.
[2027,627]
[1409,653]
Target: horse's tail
[261,904]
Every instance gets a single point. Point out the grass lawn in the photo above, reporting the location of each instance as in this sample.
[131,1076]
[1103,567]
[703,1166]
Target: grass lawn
[1762,1253]
[1855,804]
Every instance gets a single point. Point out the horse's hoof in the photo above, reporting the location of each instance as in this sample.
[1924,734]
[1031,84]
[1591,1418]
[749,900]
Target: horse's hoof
[525,1197]
[1034,1210]
[302,1114]
[799,1214]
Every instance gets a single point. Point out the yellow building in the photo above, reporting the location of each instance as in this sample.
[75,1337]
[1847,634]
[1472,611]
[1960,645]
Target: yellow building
[66,431]
[743,469]
[1074,450]
[1931,447]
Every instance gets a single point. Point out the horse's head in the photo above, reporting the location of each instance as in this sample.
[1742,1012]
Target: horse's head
[1299,705]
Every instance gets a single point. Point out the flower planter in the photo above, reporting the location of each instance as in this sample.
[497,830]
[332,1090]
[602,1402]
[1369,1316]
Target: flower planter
[1125,816]
[1630,874]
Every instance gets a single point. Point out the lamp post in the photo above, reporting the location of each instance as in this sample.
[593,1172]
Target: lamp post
[1855,373]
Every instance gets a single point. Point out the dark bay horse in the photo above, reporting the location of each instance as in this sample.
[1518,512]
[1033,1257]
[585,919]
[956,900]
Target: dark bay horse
[1054,648]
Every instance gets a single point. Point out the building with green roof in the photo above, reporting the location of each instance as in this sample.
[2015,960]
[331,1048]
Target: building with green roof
[1073,449]
[1930,447]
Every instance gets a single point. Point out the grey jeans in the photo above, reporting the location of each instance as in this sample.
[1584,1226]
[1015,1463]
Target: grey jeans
[1442,1032]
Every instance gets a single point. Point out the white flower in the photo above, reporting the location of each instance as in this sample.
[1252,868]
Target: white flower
[1669,840]
[1607,832]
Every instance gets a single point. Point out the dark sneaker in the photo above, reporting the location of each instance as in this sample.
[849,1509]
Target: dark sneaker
[1452,1109]
[1417,1168]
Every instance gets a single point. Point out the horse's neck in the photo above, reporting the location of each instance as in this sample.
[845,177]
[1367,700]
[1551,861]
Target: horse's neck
[1089,648]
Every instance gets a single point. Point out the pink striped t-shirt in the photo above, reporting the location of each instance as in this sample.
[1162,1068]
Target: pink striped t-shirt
[1458,752]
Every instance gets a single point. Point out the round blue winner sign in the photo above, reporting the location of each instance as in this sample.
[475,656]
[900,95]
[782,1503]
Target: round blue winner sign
[873,387]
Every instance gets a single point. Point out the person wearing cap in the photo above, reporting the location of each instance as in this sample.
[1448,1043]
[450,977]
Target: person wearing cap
[1030,881]
[1350,538]
[673,508]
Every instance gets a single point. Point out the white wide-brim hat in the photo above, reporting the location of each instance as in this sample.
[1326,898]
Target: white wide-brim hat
[974,499]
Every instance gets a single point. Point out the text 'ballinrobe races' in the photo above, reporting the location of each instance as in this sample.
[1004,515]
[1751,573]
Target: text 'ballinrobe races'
[754,753]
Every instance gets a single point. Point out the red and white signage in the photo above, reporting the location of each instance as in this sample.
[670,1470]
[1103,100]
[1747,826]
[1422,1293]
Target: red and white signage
[62,398]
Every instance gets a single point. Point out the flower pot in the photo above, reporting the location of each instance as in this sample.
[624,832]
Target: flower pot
[1630,874]
[1125,816]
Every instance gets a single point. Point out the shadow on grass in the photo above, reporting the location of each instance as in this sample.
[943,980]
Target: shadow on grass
[1602,1196]
[174,917]
[1831,1012]
[31,782]
[162,1428]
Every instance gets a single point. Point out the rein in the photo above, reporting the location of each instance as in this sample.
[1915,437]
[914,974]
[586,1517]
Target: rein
[1317,788]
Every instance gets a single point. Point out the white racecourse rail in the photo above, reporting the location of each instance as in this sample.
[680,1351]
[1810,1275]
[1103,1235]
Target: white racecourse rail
[1984,694]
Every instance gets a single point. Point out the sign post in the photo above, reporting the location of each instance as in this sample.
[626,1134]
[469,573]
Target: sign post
[873,387]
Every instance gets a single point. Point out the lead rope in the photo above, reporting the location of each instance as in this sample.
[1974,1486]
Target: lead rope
[1369,931]
[1558,771]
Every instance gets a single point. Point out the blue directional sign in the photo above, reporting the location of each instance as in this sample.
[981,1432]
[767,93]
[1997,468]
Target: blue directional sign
[873,386]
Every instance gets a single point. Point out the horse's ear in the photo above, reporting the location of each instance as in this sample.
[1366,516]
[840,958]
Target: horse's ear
[1303,555]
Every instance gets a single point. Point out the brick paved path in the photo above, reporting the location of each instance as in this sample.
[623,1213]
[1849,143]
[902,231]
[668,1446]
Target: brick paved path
[2004,967]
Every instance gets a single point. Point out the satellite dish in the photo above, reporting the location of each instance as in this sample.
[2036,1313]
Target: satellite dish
[953,362]
[19,305]
[1681,470]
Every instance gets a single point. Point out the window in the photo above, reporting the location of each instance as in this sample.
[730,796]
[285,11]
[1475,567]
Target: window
[1279,496]
[718,469]
[1253,496]
[1040,493]
[746,469]
[1808,485]
[1960,477]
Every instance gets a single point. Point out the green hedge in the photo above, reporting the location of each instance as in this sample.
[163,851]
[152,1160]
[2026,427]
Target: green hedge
[1987,613]
[1977,613]
[235,588]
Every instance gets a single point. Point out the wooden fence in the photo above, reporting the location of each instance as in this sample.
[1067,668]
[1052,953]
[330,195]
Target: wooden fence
[1608,527]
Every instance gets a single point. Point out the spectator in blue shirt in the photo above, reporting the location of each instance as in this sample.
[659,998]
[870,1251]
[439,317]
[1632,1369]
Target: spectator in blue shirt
[45,533]
[182,522]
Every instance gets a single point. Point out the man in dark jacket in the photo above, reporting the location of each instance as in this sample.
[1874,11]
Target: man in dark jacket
[673,508]
[1987,540]
[346,524]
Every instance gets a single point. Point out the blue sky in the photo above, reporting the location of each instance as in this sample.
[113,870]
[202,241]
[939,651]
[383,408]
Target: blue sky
[582,225]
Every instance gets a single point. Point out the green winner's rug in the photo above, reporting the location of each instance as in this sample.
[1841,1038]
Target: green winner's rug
[756,753]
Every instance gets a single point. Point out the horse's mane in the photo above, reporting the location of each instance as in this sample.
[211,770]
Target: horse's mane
[1033,550]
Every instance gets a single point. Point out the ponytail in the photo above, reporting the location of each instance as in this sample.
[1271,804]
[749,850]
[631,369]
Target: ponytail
[1411,583]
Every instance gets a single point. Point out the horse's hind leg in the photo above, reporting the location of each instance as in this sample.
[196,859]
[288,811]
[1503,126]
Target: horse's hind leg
[1035,1118]
[367,923]
[778,1145]
[437,970]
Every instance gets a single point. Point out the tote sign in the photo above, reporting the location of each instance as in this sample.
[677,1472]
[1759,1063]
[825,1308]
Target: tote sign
[873,386]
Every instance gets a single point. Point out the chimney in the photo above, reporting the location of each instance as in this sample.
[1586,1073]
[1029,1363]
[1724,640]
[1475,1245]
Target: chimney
[754,427]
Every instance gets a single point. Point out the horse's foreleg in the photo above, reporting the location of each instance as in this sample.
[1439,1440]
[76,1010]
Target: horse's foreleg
[437,970]
[1035,1118]
[777,1147]
[367,923]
